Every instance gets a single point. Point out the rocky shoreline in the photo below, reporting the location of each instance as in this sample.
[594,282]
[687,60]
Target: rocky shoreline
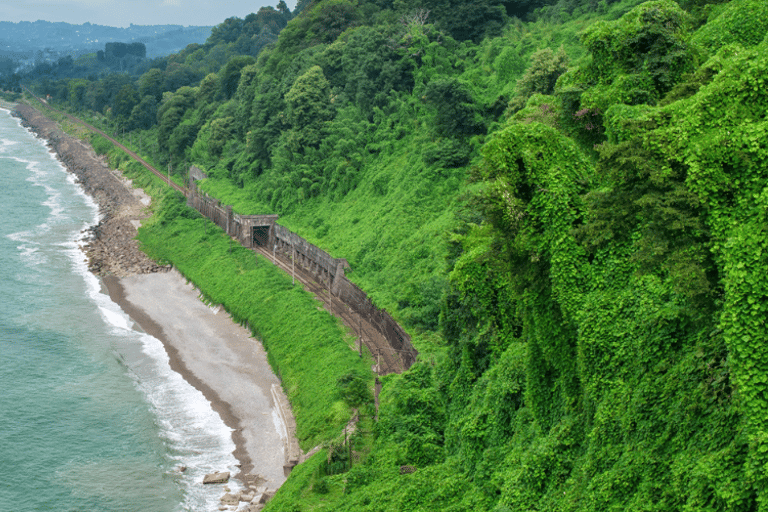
[112,248]
[113,254]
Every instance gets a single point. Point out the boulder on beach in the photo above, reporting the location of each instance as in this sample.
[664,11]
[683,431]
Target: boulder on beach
[230,499]
[216,478]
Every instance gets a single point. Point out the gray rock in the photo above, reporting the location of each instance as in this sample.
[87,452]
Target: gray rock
[229,499]
[216,478]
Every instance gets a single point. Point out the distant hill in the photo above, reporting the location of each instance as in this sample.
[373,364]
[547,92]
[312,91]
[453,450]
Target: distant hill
[30,42]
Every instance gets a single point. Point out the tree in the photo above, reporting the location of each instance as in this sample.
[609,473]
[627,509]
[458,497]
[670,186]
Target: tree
[151,84]
[284,10]
[308,108]
[226,32]
[171,113]
[541,76]
[7,66]
[97,96]
[177,76]
[327,20]
[456,114]
[230,74]
[466,20]
[637,58]
[77,90]
[124,101]
[143,115]
[208,90]
[301,5]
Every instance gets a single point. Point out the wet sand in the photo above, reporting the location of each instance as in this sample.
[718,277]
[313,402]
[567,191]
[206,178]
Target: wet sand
[211,352]
[219,358]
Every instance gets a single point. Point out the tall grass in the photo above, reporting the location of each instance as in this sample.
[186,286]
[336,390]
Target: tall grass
[307,347]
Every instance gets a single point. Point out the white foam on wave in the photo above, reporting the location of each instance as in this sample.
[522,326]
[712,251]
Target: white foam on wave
[29,249]
[29,240]
[7,145]
[18,159]
[195,435]
[41,177]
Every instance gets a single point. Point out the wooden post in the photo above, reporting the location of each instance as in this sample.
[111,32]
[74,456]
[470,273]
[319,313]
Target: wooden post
[293,263]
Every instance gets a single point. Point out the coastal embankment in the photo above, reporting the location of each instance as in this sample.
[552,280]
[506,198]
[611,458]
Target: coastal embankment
[214,354]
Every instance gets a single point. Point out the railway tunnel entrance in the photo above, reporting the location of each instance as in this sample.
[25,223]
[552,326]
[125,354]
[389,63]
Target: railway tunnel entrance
[260,236]
[257,230]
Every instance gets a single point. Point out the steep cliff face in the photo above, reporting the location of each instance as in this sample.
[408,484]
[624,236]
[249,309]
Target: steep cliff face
[603,312]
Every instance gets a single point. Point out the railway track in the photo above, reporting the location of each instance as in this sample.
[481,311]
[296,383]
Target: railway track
[386,359]
[114,141]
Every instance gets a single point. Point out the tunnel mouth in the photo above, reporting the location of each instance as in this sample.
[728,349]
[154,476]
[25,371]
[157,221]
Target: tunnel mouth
[260,236]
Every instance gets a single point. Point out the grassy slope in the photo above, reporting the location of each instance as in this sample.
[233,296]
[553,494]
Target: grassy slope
[654,423]
[655,428]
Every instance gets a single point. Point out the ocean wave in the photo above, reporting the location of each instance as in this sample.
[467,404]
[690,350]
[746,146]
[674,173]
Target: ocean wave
[7,145]
[194,434]
[29,250]
[191,433]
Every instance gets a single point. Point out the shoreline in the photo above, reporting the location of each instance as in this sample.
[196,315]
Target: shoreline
[128,274]
[116,293]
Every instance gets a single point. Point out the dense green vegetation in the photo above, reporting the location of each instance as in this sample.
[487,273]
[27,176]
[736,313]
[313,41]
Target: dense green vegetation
[42,49]
[564,203]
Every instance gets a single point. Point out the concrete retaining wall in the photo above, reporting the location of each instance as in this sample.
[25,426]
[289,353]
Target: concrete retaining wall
[319,263]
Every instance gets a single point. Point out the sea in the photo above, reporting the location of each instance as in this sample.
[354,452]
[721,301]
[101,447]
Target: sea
[92,418]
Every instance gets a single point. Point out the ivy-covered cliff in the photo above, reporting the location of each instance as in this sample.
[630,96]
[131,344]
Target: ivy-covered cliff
[564,203]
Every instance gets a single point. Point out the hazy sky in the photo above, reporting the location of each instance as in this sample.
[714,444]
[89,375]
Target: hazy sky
[121,13]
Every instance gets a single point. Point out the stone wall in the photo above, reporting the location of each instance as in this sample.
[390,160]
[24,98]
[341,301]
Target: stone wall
[319,263]
[309,256]
[398,339]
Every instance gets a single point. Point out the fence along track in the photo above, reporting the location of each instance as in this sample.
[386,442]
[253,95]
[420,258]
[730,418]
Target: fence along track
[133,155]
[388,360]
[319,272]
[359,315]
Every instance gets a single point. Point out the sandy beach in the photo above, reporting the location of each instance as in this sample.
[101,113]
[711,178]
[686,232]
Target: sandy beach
[211,352]
[221,359]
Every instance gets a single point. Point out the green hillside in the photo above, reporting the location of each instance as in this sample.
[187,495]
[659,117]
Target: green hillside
[565,204]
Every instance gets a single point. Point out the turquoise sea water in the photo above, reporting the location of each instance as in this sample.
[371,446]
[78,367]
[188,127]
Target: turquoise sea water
[91,416]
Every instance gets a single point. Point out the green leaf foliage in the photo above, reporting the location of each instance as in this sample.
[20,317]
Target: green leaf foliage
[306,347]
[575,239]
